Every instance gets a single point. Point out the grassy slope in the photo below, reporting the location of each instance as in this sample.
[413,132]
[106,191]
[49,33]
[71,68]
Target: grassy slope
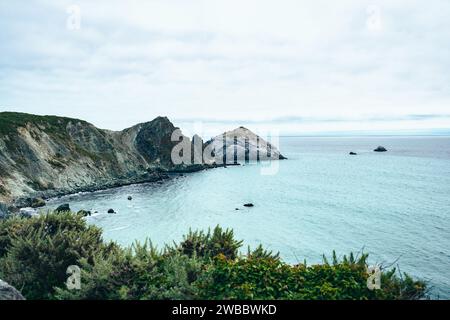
[10,121]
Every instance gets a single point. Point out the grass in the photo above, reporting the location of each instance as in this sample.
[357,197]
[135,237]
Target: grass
[10,121]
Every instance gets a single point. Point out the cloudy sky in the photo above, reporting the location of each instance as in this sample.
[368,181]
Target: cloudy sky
[296,66]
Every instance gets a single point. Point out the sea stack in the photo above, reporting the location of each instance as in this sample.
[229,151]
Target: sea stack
[380,149]
[240,145]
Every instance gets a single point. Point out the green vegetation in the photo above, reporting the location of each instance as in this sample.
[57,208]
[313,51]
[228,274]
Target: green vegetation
[10,121]
[35,253]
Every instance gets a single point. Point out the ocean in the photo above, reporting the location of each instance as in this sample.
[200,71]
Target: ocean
[395,206]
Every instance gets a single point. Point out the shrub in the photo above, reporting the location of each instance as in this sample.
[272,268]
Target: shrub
[139,272]
[266,277]
[36,252]
[209,245]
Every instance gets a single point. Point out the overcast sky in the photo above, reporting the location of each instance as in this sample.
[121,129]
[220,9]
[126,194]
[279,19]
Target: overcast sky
[297,66]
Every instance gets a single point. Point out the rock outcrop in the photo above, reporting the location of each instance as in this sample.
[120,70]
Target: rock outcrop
[8,292]
[63,208]
[46,156]
[242,144]
[4,212]
[380,149]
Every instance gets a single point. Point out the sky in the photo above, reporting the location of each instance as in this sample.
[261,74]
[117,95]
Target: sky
[295,67]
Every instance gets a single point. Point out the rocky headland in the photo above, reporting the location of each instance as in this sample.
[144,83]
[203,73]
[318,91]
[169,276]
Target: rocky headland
[48,156]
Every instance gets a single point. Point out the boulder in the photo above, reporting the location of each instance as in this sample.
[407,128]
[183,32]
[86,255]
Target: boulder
[130,198]
[85,213]
[249,205]
[353,153]
[63,208]
[8,292]
[37,203]
[380,149]
[111,211]
[4,212]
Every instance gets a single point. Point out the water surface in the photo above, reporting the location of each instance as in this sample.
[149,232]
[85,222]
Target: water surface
[394,205]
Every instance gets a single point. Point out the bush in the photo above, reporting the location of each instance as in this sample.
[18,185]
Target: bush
[209,245]
[35,254]
[267,277]
[139,272]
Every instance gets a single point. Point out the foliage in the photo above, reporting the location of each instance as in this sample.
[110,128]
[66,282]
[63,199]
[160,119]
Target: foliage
[208,245]
[35,253]
[10,121]
[139,272]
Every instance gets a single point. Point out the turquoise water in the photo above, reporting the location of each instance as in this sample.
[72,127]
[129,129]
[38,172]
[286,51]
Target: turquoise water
[395,205]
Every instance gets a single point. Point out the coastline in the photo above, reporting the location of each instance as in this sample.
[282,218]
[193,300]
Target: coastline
[158,175]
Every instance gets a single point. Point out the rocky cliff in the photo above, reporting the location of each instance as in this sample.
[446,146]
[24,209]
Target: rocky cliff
[48,155]
[242,144]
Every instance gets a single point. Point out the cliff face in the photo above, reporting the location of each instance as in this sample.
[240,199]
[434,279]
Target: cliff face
[241,144]
[48,155]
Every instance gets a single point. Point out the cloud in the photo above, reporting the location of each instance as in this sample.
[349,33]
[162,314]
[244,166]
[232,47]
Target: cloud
[230,60]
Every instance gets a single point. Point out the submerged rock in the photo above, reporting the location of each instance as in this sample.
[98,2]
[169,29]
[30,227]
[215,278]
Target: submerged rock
[63,208]
[380,149]
[248,205]
[8,292]
[85,213]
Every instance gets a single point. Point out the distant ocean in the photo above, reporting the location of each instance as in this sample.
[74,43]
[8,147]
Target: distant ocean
[394,206]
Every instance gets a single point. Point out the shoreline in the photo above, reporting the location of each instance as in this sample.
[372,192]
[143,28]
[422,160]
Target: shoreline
[46,195]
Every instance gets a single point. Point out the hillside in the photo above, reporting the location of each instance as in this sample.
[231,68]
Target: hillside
[242,144]
[49,155]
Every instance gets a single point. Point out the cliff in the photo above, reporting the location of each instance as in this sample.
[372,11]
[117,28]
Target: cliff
[242,144]
[48,155]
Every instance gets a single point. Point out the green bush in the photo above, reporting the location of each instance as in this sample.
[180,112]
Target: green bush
[35,254]
[267,277]
[208,245]
[138,272]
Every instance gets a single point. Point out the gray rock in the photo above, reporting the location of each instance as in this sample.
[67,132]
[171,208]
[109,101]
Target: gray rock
[63,208]
[85,213]
[3,211]
[8,292]
[380,149]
